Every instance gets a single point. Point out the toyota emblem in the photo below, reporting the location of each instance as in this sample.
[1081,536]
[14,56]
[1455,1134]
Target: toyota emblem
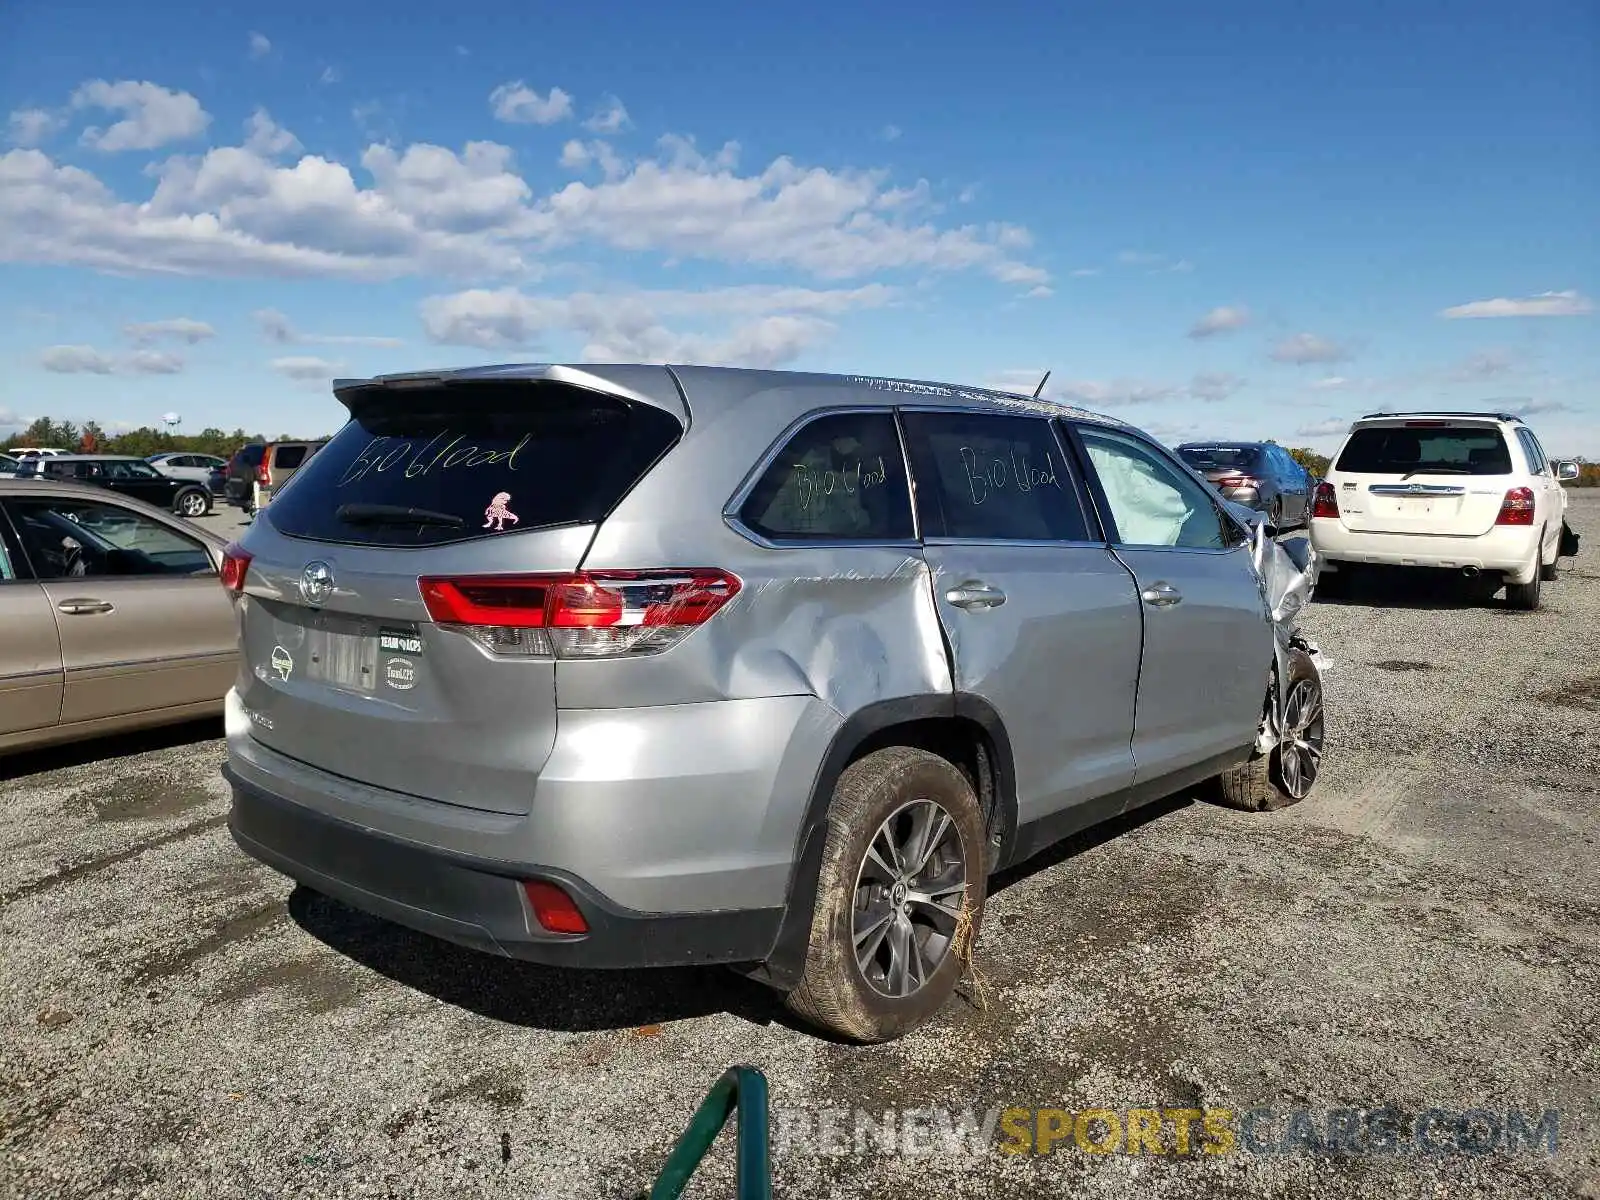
[316,582]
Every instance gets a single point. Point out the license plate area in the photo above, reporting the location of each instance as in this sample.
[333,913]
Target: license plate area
[343,655]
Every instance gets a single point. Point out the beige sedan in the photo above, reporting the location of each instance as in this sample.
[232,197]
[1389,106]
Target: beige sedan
[112,616]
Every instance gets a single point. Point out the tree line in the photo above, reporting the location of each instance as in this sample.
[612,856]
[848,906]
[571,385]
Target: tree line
[91,438]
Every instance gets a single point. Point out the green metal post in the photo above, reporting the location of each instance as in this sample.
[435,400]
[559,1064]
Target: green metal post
[741,1090]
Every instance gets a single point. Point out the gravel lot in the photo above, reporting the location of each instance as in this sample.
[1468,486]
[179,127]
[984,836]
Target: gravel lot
[1424,931]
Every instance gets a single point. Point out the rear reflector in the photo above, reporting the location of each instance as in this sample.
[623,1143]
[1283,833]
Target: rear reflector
[1327,502]
[235,565]
[553,908]
[600,614]
[1517,508]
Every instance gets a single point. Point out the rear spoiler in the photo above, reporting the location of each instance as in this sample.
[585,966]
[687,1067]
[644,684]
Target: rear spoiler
[631,384]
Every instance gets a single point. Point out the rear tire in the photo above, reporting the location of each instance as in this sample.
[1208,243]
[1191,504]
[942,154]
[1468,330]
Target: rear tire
[1549,570]
[191,502]
[1524,597]
[864,925]
[1269,782]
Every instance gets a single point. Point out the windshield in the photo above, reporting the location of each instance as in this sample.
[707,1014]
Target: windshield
[1220,458]
[1439,450]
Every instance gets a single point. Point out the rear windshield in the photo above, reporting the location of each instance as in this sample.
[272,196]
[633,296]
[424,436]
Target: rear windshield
[1212,458]
[473,460]
[250,456]
[1411,450]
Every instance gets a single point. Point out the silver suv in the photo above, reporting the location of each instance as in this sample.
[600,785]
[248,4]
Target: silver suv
[641,665]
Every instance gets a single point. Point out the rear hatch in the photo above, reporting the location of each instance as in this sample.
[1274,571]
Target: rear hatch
[457,477]
[1425,476]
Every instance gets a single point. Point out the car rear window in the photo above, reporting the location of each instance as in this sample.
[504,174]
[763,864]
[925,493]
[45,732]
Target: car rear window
[288,458]
[1430,450]
[473,460]
[1220,458]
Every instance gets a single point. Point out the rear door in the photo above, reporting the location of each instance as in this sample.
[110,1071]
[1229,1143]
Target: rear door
[1208,642]
[30,649]
[1042,620]
[1444,477]
[344,669]
[144,623]
[1549,498]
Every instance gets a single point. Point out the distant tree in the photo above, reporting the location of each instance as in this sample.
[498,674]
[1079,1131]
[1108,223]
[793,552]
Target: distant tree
[92,439]
[1316,463]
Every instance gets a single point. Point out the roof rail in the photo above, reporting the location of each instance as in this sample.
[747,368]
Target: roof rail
[1495,416]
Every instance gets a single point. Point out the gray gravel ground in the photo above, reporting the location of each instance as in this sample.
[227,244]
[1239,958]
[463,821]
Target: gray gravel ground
[1423,932]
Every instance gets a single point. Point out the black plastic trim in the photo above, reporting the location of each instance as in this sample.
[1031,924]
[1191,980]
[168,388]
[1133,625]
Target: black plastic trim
[478,902]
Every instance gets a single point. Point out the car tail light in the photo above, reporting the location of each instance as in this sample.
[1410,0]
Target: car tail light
[263,476]
[235,564]
[1239,481]
[598,614]
[1516,508]
[1327,502]
[553,908]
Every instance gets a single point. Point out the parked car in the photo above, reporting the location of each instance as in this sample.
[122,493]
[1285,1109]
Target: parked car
[113,616]
[535,662]
[130,476]
[196,468]
[1261,475]
[27,452]
[279,461]
[1467,492]
[241,474]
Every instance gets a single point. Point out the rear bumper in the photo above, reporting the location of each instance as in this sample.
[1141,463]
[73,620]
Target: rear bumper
[1507,548]
[479,902]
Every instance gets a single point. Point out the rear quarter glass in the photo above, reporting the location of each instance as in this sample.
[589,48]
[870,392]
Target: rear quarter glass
[501,456]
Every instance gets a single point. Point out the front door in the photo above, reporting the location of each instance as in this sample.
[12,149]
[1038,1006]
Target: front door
[144,622]
[1042,620]
[1208,641]
[30,651]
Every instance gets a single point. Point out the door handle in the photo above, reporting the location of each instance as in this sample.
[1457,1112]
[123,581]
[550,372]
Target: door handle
[78,608]
[1161,595]
[975,595]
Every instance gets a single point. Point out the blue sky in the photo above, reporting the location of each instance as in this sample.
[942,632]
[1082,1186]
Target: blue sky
[1234,219]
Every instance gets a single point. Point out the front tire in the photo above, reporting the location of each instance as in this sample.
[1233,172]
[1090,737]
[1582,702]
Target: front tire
[191,502]
[899,897]
[1286,775]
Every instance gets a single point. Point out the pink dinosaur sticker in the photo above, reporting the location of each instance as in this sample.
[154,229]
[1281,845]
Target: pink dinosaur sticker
[497,512]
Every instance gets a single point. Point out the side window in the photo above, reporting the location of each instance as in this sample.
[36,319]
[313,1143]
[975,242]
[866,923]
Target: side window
[10,557]
[1151,502]
[1538,462]
[839,478]
[993,478]
[288,458]
[70,538]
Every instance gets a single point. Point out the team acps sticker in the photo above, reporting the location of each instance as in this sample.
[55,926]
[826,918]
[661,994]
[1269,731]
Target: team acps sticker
[400,674]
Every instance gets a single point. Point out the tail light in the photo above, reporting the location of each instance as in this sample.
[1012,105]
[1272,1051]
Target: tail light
[553,908]
[1326,503]
[263,476]
[1516,508]
[600,614]
[235,564]
[1239,481]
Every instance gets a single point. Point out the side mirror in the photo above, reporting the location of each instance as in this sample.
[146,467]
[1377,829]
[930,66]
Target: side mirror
[1567,471]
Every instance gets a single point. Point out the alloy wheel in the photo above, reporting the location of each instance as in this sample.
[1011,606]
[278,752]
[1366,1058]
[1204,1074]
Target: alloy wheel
[908,899]
[193,504]
[1300,738]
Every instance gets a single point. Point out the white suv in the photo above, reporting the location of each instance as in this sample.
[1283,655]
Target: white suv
[1473,492]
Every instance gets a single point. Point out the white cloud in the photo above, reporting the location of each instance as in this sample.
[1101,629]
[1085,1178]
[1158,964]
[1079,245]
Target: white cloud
[1154,264]
[1545,304]
[470,215]
[1040,293]
[329,75]
[260,45]
[75,360]
[890,133]
[152,115]
[1524,407]
[1302,349]
[86,360]
[1085,272]
[519,104]
[1214,386]
[153,362]
[275,327]
[1119,393]
[1331,383]
[182,329]
[31,126]
[1489,364]
[307,368]
[266,137]
[611,117]
[1332,427]
[1220,320]
[770,325]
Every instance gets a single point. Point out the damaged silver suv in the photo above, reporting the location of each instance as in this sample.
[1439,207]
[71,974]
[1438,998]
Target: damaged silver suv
[641,665]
